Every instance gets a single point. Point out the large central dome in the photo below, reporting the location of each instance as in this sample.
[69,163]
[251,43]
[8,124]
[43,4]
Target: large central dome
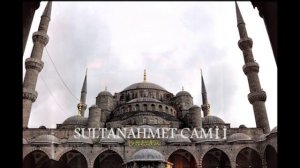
[144,85]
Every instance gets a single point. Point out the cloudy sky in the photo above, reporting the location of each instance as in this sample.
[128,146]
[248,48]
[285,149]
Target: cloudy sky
[116,41]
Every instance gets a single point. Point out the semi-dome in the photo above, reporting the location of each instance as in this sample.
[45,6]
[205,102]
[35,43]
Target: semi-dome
[177,138]
[147,155]
[212,120]
[75,120]
[239,137]
[144,99]
[262,137]
[183,93]
[273,131]
[144,85]
[45,139]
[194,106]
[80,140]
[212,138]
[105,93]
[112,140]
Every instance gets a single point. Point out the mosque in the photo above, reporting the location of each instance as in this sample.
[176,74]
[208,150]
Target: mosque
[146,105]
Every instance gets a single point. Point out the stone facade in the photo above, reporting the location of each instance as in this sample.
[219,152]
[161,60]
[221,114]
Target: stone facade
[150,106]
[139,107]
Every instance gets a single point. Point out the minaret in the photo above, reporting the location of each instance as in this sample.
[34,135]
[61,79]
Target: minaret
[205,105]
[145,76]
[257,96]
[81,105]
[34,64]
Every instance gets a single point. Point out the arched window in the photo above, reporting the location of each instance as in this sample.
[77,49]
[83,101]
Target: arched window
[152,107]
[160,108]
[74,159]
[248,157]
[216,158]
[182,158]
[271,157]
[109,159]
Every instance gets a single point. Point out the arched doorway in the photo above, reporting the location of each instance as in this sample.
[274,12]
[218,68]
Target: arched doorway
[73,159]
[35,159]
[39,159]
[108,159]
[271,157]
[248,158]
[215,158]
[182,159]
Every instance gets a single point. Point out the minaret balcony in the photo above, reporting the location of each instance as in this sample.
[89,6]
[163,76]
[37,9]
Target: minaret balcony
[251,67]
[257,96]
[245,43]
[30,94]
[33,63]
[40,37]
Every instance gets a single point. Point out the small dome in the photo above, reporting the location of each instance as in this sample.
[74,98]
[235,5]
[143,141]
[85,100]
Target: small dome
[178,139]
[183,93]
[45,139]
[76,120]
[194,106]
[112,140]
[242,126]
[42,127]
[213,138]
[144,85]
[105,93]
[262,137]
[80,140]
[147,128]
[212,120]
[147,155]
[25,141]
[144,99]
[274,130]
[239,137]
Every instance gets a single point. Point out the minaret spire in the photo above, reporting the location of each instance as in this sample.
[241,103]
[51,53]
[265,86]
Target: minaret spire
[145,76]
[34,64]
[48,8]
[82,104]
[257,96]
[205,105]
[84,87]
[239,16]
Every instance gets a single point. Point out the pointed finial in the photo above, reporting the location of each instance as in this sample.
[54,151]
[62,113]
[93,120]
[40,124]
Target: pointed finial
[84,87]
[105,88]
[239,17]
[202,83]
[47,11]
[145,75]
[182,88]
